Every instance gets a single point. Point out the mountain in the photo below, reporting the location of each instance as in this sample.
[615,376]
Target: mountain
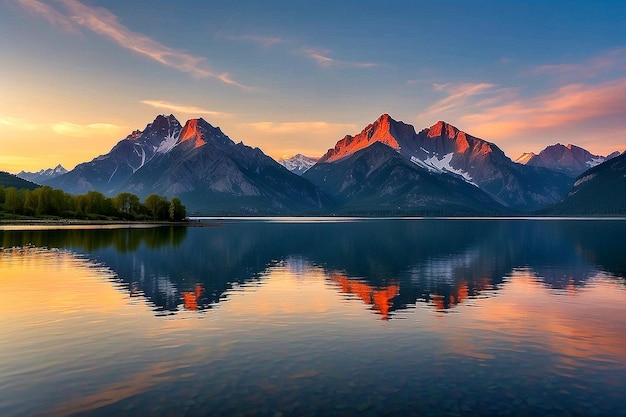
[601,190]
[444,149]
[199,164]
[43,175]
[571,160]
[9,180]
[298,164]
[378,180]
[106,173]
[212,174]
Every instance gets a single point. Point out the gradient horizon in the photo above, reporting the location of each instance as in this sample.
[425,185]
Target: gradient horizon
[292,77]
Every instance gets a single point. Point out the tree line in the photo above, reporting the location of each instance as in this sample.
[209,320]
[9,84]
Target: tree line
[46,201]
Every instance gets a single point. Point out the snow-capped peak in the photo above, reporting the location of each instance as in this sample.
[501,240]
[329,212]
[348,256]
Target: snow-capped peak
[298,164]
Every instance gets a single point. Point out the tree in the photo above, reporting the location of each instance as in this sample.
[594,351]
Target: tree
[177,211]
[158,206]
[11,200]
[126,203]
[94,202]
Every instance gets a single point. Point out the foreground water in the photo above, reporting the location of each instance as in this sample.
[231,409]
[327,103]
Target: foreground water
[353,317]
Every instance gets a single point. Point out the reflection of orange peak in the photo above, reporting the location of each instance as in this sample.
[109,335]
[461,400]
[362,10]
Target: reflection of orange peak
[190,299]
[379,298]
[461,292]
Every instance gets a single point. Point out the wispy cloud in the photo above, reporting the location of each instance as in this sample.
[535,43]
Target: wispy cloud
[605,61]
[106,24]
[322,58]
[308,127]
[77,130]
[54,17]
[570,104]
[457,95]
[17,123]
[182,108]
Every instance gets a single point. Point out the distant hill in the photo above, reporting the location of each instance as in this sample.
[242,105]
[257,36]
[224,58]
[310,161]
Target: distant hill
[9,180]
[571,160]
[600,190]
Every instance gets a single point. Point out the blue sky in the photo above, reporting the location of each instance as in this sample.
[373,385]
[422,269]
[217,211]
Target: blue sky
[296,76]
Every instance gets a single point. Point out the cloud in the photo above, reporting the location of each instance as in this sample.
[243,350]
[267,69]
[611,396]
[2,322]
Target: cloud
[458,95]
[55,18]
[305,127]
[567,105]
[322,58]
[181,108]
[104,23]
[76,130]
[605,61]
[16,123]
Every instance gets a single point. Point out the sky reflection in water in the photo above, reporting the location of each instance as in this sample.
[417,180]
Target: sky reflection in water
[442,317]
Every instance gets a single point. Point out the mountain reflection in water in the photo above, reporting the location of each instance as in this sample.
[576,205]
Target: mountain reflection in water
[389,265]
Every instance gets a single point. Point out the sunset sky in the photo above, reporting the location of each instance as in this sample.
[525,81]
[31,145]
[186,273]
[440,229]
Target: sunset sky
[296,76]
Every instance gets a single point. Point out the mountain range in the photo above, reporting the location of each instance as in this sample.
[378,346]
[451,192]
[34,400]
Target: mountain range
[42,175]
[571,160]
[386,169]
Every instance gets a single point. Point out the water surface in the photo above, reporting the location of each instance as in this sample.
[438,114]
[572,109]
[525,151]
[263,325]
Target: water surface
[351,317]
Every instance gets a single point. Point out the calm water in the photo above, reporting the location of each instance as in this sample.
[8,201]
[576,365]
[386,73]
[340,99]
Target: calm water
[265,318]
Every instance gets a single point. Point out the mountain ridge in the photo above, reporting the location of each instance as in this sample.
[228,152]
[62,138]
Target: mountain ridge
[200,164]
[443,148]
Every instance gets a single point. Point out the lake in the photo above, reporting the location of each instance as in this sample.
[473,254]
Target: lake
[306,317]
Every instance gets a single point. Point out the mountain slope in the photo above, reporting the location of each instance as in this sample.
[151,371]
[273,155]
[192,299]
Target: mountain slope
[600,190]
[377,180]
[213,175]
[443,148]
[571,160]
[106,173]
[9,180]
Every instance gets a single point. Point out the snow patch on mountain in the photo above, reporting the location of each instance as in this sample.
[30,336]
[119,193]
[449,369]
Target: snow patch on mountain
[442,166]
[170,140]
[596,161]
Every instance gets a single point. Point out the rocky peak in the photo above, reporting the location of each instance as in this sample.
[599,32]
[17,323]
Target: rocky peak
[385,130]
[162,123]
[194,132]
[443,129]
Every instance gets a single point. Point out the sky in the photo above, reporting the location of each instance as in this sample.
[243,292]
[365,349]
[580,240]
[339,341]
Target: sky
[77,76]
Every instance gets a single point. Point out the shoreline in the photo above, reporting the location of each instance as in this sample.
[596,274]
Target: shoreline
[6,224]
